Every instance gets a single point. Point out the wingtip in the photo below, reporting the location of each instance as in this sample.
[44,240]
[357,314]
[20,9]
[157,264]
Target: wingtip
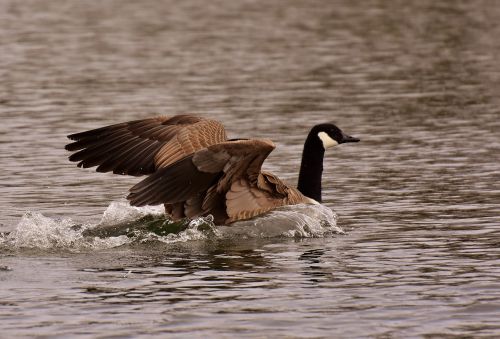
[74,136]
[73,146]
[74,158]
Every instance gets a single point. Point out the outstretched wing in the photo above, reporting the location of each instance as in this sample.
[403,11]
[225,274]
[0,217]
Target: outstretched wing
[228,172]
[142,146]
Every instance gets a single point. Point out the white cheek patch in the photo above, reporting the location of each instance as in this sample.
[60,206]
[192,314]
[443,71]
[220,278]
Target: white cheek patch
[327,140]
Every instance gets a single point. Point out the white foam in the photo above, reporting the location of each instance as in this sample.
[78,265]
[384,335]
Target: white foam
[40,232]
[121,211]
[302,221]
[198,229]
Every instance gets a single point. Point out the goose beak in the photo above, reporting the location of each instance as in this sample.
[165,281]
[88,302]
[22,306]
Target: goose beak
[348,138]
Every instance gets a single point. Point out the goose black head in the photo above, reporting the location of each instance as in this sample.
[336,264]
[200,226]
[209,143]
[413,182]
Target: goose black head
[330,135]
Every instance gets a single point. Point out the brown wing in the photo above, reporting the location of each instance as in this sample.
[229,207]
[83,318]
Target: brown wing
[142,146]
[227,173]
[249,191]
[248,199]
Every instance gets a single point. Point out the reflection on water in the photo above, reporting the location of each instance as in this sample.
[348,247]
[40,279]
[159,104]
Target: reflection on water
[417,82]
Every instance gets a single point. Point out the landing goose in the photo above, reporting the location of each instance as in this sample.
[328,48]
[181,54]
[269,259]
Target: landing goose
[194,170]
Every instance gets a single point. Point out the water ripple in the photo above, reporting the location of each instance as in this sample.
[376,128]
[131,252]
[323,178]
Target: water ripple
[418,198]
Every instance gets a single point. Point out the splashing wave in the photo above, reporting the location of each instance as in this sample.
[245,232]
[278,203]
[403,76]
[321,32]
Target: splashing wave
[123,224]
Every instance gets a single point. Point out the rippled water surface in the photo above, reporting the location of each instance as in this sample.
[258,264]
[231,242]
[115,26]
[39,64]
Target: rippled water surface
[418,198]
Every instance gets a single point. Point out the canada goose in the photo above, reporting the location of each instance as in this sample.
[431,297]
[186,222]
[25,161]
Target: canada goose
[194,170]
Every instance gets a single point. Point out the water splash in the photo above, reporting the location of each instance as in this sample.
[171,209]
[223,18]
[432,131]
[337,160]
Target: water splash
[122,224]
[38,231]
[299,221]
[121,211]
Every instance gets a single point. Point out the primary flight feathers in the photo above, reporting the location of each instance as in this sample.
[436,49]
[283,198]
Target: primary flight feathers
[142,146]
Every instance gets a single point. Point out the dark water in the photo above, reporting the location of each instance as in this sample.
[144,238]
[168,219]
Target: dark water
[419,197]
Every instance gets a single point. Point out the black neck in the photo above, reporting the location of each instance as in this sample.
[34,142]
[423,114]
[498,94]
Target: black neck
[311,168]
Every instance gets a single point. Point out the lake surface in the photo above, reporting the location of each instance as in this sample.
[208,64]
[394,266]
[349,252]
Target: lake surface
[418,198]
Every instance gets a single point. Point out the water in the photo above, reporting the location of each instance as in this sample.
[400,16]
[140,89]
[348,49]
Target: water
[418,198]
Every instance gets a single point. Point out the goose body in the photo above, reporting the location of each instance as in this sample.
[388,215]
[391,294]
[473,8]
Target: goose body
[194,170]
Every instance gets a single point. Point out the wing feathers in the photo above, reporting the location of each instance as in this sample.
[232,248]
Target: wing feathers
[119,161]
[170,185]
[245,200]
[98,132]
[209,161]
[141,146]
[140,162]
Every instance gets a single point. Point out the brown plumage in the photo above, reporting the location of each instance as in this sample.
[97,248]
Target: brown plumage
[194,170]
